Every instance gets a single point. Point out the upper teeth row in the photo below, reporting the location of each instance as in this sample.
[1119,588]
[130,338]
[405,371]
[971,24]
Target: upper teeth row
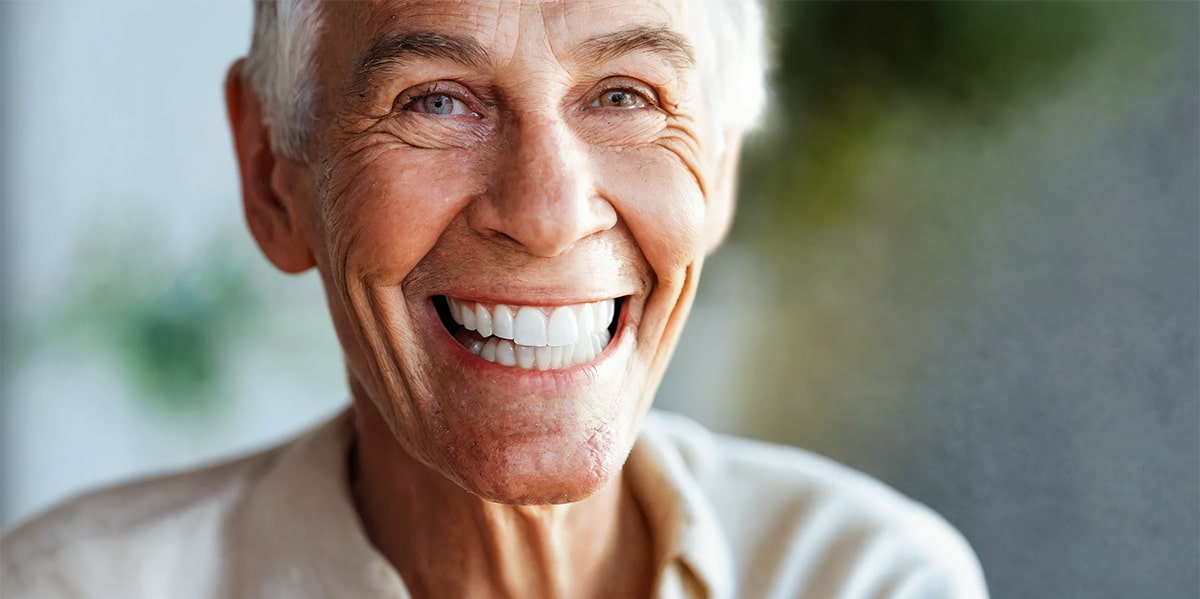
[534,326]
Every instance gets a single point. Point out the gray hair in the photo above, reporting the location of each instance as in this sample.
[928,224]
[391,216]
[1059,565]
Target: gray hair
[279,68]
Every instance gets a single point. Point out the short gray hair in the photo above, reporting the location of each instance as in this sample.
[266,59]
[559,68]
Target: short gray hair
[279,67]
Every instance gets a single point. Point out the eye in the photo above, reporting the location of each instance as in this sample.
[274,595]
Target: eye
[620,98]
[438,105]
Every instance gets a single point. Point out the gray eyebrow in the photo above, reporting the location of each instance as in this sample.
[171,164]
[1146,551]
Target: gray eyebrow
[655,39]
[401,47]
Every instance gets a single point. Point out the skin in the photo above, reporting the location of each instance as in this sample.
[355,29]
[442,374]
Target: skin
[535,188]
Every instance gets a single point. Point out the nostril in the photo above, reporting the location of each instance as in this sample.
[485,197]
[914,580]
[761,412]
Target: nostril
[505,238]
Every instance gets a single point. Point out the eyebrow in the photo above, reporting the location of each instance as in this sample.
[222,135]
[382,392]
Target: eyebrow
[402,47]
[660,40]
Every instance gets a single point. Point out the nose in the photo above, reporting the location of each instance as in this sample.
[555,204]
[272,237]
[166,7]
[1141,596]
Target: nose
[542,195]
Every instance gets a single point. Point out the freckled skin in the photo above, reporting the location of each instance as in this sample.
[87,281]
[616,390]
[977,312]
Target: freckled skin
[531,192]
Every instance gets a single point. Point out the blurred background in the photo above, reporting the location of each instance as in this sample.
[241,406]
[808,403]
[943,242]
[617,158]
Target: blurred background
[966,261]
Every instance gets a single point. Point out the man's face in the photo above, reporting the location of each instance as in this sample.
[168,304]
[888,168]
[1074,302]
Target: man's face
[541,167]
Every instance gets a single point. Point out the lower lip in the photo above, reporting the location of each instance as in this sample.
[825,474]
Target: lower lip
[557,376]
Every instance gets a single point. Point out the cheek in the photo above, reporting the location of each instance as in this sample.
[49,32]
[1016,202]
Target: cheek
[388,215]
[660,201]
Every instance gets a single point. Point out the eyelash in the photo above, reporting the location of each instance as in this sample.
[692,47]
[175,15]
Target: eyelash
[647,99]
[410,97]
[647,96]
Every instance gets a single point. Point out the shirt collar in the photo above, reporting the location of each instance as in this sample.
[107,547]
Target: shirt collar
[687,534]
[297,533]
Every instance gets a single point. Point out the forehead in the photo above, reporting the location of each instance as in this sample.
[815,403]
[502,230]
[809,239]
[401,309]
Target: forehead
[506,28]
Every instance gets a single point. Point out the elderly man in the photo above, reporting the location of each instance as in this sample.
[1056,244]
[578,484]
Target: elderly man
[508,204]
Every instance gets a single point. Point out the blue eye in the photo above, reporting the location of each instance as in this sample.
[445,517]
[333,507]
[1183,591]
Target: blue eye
[619,98]
[439,105]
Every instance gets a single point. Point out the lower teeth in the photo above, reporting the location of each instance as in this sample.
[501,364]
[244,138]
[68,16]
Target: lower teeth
[507,353]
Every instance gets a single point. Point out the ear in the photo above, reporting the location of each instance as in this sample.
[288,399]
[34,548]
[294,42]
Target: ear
[272,211]
[724,198]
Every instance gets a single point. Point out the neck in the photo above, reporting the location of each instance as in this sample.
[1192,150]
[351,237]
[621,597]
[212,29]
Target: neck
[446,542]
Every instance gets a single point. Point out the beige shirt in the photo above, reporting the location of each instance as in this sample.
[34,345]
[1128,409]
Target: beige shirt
[730,518]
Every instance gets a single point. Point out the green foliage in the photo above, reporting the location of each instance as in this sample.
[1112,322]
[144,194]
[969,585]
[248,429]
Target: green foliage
[845,69]
[960,56]
[168,325]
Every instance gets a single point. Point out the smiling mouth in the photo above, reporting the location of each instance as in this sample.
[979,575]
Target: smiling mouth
[531,337]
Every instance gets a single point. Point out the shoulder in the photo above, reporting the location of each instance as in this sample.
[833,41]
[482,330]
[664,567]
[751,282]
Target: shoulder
[801,525]
[133,534]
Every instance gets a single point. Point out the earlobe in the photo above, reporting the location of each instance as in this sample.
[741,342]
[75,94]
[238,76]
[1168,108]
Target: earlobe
[724,194]
[272,212]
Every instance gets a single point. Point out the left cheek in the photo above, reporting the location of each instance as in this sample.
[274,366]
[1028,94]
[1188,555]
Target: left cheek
[661,202]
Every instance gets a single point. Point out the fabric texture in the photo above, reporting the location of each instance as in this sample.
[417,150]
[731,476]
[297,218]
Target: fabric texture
[729,518]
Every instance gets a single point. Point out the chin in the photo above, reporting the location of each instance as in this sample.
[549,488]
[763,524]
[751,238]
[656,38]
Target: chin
[540,469]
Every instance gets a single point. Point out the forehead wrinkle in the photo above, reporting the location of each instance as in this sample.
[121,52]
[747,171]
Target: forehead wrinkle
[402,47]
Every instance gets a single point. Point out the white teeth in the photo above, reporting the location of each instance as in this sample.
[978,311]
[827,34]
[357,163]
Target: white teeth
[525,356]
[585,320]
[483,321]
[468,317]
[505,354]
[582,351]
[562,329]
[502,322]
[530,327]
[543,356]
[534,337]
[599,342]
